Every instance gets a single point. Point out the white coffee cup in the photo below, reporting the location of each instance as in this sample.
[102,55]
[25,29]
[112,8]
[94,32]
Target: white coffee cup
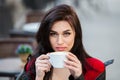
[57,59]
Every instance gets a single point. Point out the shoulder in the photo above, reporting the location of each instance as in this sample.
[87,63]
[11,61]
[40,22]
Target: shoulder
[29,69]
[30,62]
[96,64]
[95,68]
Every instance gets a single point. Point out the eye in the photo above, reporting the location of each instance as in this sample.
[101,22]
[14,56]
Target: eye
[53,34]
[66,34]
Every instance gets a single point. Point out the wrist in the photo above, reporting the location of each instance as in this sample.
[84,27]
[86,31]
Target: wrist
[38,78]
[77,75]
[81,77]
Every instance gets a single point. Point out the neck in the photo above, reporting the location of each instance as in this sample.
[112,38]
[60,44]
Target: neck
[61,73]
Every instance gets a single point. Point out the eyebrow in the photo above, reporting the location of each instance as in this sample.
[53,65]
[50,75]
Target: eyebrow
[63,31]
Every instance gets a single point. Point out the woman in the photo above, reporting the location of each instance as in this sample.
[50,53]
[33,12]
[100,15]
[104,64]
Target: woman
[60,30]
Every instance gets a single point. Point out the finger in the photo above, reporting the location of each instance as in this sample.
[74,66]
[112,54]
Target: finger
[73,64]
[72,57]
[71,54]
[75,71]
[70,63]
[42,57]
[43,67]
[73,67]
[42,62]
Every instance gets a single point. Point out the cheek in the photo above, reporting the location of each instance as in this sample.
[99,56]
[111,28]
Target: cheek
[52,42]
[70,42]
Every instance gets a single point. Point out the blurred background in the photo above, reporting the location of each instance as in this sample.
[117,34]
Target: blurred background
[100,20]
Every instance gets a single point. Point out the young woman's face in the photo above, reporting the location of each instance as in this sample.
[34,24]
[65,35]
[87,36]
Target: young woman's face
[62,36]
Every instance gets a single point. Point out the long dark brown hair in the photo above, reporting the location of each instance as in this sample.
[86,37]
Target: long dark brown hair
[58,13]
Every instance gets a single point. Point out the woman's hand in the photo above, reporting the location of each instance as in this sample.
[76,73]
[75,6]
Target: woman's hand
[42,65]
[74,65]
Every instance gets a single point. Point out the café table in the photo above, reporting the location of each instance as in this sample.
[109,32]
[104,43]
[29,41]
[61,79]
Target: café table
[10,67]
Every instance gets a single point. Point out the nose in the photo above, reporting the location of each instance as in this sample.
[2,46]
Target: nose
[60,40]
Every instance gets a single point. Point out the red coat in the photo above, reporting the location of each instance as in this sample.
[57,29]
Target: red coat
[98,69]
[93,73]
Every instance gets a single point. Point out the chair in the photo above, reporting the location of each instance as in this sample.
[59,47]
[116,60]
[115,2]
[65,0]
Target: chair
[102,75]
[107,63]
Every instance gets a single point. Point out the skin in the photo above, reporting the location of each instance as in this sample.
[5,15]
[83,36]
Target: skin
[62,36]
[62,39]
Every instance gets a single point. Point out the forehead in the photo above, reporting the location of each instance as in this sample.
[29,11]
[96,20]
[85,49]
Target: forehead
[61,25]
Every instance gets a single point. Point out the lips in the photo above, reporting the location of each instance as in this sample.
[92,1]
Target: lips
[60,48]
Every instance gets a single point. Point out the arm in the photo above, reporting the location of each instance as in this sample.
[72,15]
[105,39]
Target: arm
[23,76]
[35,68]
[42,66]
[29,70]
[81,77]
[74,65]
